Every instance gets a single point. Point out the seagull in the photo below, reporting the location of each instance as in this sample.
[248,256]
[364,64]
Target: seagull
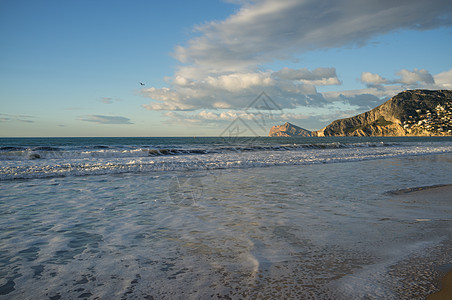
[141,83]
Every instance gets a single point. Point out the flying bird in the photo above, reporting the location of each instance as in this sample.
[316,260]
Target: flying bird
[141,83]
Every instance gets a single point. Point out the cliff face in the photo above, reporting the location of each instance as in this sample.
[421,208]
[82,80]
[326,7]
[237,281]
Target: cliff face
[410,113]
[288,130]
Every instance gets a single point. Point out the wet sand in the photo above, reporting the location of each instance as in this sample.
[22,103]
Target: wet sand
[283,232]
[446,289]
[440,191]
[438,263]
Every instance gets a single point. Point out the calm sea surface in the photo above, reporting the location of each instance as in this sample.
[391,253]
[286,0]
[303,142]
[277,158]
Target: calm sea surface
[202,218]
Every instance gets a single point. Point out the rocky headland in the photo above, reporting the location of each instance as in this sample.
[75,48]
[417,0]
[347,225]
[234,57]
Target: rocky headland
[288,130]
[409,113]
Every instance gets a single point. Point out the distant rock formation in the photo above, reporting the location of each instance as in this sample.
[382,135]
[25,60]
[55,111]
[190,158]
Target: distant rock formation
[288,130]
[409,113]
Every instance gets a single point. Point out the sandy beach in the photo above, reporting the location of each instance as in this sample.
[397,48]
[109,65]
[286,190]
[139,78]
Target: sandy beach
[446,289]
[439,192]
[436,264]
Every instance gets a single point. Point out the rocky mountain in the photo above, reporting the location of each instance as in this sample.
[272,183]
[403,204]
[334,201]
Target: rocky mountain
[288,130]
[409,113]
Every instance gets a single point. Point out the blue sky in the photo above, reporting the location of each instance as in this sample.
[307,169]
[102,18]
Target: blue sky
[72,68]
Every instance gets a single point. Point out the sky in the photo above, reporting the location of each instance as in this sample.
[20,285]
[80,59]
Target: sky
[194,68]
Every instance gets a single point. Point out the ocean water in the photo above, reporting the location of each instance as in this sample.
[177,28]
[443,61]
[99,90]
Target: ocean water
[203,218]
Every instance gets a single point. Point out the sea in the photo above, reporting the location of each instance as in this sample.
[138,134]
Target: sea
[223,218]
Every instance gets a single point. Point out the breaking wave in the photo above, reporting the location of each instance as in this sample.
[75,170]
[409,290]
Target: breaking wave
[100,151]
[44,162]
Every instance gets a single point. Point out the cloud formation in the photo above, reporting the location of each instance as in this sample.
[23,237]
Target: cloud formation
[372,79]
[319,76]
[106,100]
[444,80]
[415,77]
[99,119]
[418,78]
[289,87]
[379,89]
[222,66]
[266,30]
[18,118]
[258,121]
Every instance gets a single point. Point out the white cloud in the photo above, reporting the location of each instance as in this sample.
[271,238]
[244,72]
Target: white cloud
[317,77]
[239,81]
[372,79]
[225,118]
[303,117]
[415,77]
[387,91]
[444,80]
[235,90]
[222,66]
[220,104]
[266,30]
[293,116]
[169,105]
[181,81]
[305,74]
[208,115]
[380,89]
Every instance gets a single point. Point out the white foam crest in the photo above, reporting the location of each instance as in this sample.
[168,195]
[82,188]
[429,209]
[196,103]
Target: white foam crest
[374,281]
[19,154]
[129,161]
[72,154]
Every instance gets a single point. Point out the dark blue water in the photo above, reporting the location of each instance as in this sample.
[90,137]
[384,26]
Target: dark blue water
[164,141]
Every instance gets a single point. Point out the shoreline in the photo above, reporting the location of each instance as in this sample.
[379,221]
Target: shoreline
[432,271]
[446,289]
[418,189]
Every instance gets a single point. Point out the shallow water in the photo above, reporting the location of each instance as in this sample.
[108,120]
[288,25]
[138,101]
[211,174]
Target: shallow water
[307,231]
